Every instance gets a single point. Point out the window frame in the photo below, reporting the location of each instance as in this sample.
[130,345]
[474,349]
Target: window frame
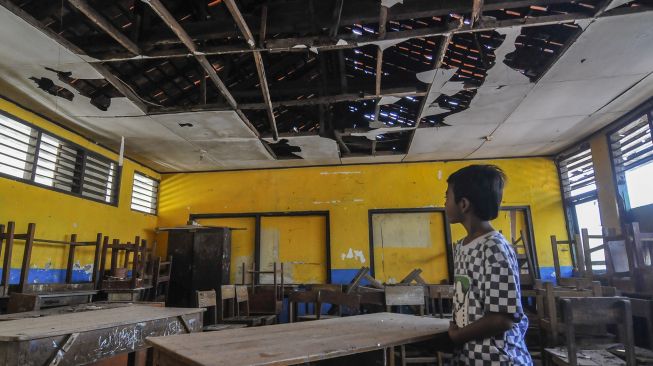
[158,191]
[86,152]
[569,203]
[621,189]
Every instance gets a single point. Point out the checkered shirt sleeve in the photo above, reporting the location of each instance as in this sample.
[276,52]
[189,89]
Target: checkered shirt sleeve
[501,281]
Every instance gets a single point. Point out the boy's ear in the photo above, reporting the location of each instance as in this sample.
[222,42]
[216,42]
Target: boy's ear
[464,205]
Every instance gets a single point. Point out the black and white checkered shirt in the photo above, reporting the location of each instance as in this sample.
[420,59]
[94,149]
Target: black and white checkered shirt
[487,280]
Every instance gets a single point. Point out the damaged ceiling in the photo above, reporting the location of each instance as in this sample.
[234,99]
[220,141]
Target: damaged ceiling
[224,84]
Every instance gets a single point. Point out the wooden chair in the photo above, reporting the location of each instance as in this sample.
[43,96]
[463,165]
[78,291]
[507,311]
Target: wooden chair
[413,276]
[8,238]
[160,279]
[402,295]
[591,311]
[619,259]
[643,243]
[643,248]
[207,299]
[109,282]
[437,294]
[306,298]
[576,257]
[547,308]
[241,306]
[339,301]
[526,262]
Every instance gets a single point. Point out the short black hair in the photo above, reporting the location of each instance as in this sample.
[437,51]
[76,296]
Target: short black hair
[482,185]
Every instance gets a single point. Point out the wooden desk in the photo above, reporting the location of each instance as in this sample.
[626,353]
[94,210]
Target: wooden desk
[296,343]
[81,338]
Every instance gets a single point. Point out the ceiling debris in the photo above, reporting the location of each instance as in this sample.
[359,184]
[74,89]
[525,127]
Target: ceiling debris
[217,82]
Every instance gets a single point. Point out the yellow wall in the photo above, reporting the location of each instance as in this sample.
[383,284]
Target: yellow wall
[57,215]
[348,192]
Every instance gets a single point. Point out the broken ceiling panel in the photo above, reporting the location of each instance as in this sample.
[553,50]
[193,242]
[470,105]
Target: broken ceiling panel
[314,148]
[195,126]
[491,105]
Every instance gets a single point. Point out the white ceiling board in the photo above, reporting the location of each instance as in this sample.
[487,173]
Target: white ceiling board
[535,131]
[489,150]
[491,105]
[206,125]
[570,98]
[314,148]
[32,44]
[610,46]
[500,73]
[234,149]
[453,142]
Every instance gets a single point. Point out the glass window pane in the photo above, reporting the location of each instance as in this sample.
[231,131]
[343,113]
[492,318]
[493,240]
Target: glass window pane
[638,182]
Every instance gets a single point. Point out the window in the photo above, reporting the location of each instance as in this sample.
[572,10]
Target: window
[576,170]
[145,194]
[37,157]
[17,147]
[577,173]
[632,156]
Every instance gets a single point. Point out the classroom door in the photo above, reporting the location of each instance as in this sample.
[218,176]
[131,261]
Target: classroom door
[408,240]
[299,242]
[242,244]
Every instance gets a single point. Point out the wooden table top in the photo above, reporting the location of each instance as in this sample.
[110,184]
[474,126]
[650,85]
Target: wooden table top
[54,325]
[298,343]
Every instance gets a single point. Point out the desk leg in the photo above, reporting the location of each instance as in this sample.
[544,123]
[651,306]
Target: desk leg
[139,358]
[389,357]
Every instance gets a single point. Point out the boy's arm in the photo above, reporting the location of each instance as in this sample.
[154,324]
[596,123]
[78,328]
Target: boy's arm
[491,324]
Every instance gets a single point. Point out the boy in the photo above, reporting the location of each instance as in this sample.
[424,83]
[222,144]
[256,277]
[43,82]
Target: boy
[489,323]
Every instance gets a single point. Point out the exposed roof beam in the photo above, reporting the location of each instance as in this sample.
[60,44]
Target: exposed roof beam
[258,60]
[170,20]
[326,43]
[337,17]
[398,92]
[477,10]
[383,19]
[288,21]
[99,20]
[99,67]
[442,51]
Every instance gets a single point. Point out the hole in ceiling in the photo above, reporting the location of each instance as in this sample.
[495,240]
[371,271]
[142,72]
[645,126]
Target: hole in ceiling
[53,89]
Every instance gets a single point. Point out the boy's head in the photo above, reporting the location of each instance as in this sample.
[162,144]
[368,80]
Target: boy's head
[475,190]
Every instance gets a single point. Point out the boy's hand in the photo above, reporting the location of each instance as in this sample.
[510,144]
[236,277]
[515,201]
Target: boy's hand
[454,332]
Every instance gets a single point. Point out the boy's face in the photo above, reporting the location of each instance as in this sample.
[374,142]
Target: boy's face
[452,209]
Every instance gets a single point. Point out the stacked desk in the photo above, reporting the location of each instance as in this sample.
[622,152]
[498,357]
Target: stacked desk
[79,338]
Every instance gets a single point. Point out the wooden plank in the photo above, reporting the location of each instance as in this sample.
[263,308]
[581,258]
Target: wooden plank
[34,328]
[404,295]
[258,61]
[99,20]
[299,343]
